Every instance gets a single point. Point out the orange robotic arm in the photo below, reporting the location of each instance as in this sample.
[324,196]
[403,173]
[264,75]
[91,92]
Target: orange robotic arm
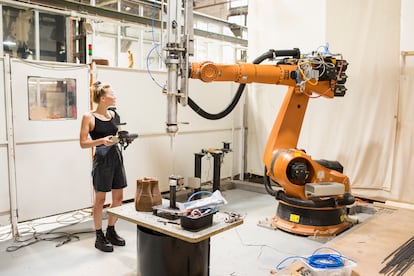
[256,73]
[293,169]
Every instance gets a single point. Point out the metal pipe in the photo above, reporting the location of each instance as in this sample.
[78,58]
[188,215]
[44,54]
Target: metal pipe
[179,47]
[11,146]
[172,125]
[172,62]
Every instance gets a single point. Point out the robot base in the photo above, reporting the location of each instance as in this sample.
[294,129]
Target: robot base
[307,221]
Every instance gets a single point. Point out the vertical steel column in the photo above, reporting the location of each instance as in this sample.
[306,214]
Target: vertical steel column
[197,170]
[217,167]
[197,164]
[11,146]
[172,62]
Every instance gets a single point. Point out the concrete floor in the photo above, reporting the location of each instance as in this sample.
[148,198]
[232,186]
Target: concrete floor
[248,249]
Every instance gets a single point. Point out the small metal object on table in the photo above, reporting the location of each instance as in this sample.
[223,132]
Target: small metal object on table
[165,248]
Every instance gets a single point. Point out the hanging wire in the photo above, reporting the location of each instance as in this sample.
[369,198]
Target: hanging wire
[153,29]
[155,47]
[149,70]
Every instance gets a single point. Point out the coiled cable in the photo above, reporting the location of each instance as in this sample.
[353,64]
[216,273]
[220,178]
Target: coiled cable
[320,261]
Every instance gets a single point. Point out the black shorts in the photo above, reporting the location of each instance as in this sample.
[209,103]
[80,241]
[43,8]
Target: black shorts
[108,170]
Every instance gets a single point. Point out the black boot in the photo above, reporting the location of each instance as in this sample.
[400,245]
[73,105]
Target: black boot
[113,237]
[102,243]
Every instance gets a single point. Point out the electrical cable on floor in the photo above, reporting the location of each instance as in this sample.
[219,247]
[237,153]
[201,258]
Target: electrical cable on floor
[262,246]
[403,259]
[256,245]
[64,220]
[49,236]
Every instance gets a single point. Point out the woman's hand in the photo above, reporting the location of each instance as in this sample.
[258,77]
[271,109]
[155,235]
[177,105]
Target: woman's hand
[107,141]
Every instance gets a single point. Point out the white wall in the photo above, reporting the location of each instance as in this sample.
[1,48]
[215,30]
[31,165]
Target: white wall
[370,130]
[53,172]
[403,165]
[276,25]
[142,106]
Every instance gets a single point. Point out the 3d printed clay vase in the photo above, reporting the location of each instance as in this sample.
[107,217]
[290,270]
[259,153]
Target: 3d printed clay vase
[147,194]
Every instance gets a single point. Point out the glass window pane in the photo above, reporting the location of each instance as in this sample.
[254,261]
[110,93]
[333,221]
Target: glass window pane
[237,19]
[128,57]
[214,28]
[105,4]
[200,49]
[148,11]
[130,7]
[214,51]
[228,54]
[106,28]
[238,3]
[52,37]
[131,31]
[51,99]
[202,25]
[18,32]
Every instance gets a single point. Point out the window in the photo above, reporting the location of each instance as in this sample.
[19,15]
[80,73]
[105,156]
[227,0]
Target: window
[52,32]
[238,3]
[33,33]
[18,32]
[51,99]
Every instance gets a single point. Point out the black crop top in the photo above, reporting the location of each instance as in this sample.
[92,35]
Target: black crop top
[103,128]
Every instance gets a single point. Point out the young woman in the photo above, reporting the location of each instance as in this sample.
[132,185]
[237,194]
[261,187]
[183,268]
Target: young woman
[108,172]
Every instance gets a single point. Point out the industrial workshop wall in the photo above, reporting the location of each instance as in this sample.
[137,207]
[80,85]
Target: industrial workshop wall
[44,171]
[370,130]
[51,174]
[142,106]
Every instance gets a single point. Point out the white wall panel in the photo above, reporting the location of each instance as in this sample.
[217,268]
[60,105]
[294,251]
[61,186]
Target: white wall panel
[152,156]
[142,106]
[52,171]
[52,178]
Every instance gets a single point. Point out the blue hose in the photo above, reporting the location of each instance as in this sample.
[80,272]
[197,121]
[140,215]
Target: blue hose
[320,261]
[325,261]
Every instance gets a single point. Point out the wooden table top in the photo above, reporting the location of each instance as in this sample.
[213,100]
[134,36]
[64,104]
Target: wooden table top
[164,226]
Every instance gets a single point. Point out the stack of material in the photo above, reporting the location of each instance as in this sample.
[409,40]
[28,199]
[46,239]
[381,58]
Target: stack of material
[402,261]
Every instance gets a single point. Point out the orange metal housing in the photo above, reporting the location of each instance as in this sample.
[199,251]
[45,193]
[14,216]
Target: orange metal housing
[281,148]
